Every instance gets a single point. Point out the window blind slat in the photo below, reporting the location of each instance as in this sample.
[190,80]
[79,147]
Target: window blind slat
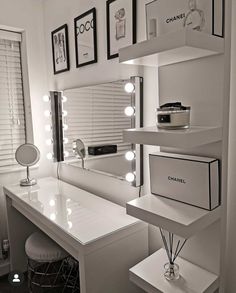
[96,115]
[12,117]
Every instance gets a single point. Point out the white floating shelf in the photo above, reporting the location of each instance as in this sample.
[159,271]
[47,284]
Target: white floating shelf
[148,275]
[4,267]
[185,138]
[179,218]
[172,48]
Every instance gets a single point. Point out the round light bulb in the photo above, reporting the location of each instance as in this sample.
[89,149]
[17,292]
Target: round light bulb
[130,156]
[46,98]
[49,156]
[69,211]
[52,203]
[64,99]
[129,87]
[130,177]
[66,154]
[64,113]
[65,140]
[48,127]
[68,200]
[69,224]
[49,141]
[65,126]
[129,111]
[47,113]
[53,216]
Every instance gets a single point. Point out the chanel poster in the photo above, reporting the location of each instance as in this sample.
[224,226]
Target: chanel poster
[165,16]
[121,25]
[60,49]
[86,38]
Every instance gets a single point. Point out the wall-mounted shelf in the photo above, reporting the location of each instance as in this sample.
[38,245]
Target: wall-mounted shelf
[172,48]
[185,138]
[179,218]
[148,275]
[4,267]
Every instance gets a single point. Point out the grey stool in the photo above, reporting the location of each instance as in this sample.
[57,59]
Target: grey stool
[49,266]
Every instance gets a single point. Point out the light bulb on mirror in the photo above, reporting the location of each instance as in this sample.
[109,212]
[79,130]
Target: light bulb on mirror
[53,216]
[47,113]
[66,154]
[69,211]
[130,156]
[130,177]
[65,126]
[52,203]
[48,127]
[129,87]
[65,140]
[49,156]
[70,224]
[64,99]
[46,98]
[129,111]
[64,113]
[49,141]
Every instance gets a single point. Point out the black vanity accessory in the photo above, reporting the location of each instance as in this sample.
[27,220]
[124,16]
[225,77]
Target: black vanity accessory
[173,116]
[96,150]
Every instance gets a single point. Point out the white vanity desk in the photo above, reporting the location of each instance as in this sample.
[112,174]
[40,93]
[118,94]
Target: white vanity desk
[97,232]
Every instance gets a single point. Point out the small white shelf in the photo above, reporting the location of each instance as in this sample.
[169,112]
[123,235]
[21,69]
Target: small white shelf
[184,138]
[172,48]
[148,275]
[4,267]
[179,218]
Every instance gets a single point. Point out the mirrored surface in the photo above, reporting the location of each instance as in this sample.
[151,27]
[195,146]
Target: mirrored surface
[97,115]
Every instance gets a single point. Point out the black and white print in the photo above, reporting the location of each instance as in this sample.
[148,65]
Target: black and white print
[86,38]
[60,49]
[121,25]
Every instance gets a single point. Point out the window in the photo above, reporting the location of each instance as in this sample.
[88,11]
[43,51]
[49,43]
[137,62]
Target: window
[12,110]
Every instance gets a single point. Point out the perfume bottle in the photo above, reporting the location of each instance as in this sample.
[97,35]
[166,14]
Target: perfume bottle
[195,18]
[120,24]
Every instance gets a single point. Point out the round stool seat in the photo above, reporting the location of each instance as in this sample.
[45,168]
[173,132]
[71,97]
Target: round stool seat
[41,248]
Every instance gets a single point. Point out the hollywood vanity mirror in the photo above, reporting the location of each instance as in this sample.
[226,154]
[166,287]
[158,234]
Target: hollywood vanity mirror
[97,115]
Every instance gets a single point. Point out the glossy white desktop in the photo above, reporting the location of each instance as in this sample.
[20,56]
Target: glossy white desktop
[97,232]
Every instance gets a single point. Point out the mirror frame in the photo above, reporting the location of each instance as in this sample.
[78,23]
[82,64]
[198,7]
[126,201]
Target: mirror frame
[136,122]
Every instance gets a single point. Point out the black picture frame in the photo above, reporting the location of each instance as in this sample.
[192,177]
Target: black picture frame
[60,49]
[133,40]
[89,26]
[222,33]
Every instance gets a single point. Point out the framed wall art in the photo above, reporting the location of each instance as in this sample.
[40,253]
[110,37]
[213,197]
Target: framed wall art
[60,49]
[121,25]
[85,27]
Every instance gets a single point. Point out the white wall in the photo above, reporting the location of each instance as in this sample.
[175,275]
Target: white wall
[28,15]
[59,12]
[231,260]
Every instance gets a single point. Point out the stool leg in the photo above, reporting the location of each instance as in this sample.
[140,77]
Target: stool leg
[68,277]
[76,280]
[59,271]
[29,273]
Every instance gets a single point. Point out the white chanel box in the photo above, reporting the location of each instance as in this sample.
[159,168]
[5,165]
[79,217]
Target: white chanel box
[188,179]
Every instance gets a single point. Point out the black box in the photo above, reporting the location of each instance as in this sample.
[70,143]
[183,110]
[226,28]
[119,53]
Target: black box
[97,150]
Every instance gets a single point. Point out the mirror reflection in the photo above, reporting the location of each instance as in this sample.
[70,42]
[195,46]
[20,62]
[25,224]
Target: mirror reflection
[97,116]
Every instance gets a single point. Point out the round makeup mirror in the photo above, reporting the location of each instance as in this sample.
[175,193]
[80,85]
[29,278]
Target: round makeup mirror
[27,155]
[79,150]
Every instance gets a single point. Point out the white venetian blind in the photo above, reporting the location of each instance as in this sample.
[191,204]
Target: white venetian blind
[12,116]
[96,115]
